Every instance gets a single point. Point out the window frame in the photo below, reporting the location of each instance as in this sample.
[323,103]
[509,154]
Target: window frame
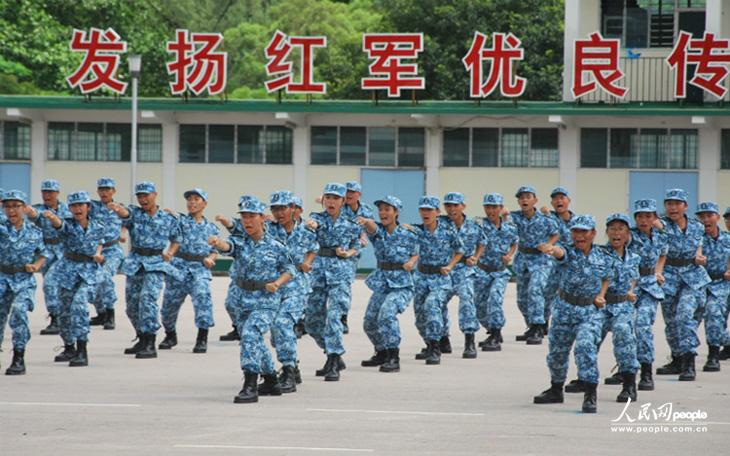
[102,147]
[2,141]
[396,141]
[500,147]
[262,144]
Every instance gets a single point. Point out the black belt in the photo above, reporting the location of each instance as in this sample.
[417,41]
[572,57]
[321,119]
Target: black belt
[110,243]
[575,300]
[78,257]
[250,285]
[390,266]
[429,269]
[615,299]
[531,250]
[52,241]
[146,252]
[189,257]
[680,261]
[486,268]
[8,269]
[718,276]
[327,252]
[646,271]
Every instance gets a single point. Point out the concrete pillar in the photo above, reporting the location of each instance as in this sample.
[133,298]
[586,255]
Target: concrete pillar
[568,156]
[38,157]
[434,147]
[708,161]
[300,159]
[170,139]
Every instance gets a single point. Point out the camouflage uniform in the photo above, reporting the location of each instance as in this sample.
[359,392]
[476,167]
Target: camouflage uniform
[105,296]
[17,287]
[565,239]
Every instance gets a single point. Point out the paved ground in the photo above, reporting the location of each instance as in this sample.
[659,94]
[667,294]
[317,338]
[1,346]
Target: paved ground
[181,403]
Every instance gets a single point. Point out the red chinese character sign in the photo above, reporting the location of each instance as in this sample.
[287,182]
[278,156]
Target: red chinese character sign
[197,64]
[98,69]
[598,57]
[505,50]
[711,58]
[279,68]
[388,71]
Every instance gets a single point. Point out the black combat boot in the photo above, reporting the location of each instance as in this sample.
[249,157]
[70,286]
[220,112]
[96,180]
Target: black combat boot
[376,360]
[445,345]
[575,386]
[201,342]
[109,323]
[99,319]
[298,374]
[482,342]
[628,391]
[674,367]
[231,336]
[470,351]
[433,357]
[392,363]
[590,399]
[299,328]
[616,379]
[52,329]
[420,356]
[713,360]
[345,328]
[81,359]
[288,379]
[646,382]
[523,337]
[17,366]
[320,372]
[493,342]
[169,341]
[688,373]
[725,353]
[148,350]
[249,392]
[535,336]
[270,386]
[333,373]
[552,395]
[136,347]
[69,351]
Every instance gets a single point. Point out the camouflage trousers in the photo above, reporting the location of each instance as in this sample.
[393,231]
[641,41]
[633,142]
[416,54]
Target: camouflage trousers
[381,316]
[105,296]
[646,306]
[716,313]
[74,313]
[464,289]
[283,336]
[682,313]
[142,292]
[619,320]
[531,287]
[252,325]
[325,307]
[573,324]
[198,288]
[489,296]
[14,307]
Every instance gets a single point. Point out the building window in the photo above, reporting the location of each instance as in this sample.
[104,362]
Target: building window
[650,23]
[725,150]
[655,148]
[506,147]
[88,141]
[235,144]
[14,141]
[368,146]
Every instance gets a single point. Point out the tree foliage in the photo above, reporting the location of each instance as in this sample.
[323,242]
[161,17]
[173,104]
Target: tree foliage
[35,56]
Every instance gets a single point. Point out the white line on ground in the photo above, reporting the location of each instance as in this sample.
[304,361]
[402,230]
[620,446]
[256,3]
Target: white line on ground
[276,448]
[395,412]
[69,404]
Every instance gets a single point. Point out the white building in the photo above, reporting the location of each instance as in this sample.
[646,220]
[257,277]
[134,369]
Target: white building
[606,152]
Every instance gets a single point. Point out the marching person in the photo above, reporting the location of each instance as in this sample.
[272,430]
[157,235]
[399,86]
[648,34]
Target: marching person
[263,267]
[105,297]
[22,253]
[563,217]
[396,251]
[49,191]
[303,247]
[538,233]
[439,250]
[684,284]
[83,241]
[586,270]
[492,274]
[150,232]
[716,249]
[339,241]
[298,209]
[472,237]
[194,259]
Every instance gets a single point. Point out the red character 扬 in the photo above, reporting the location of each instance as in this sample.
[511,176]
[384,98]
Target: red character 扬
[99,67]
[598,57]
[280,68]
[711,57]
[388,71]
[504,51]
[197,64]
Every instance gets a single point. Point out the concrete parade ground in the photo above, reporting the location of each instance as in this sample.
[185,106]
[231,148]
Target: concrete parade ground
[182,403]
